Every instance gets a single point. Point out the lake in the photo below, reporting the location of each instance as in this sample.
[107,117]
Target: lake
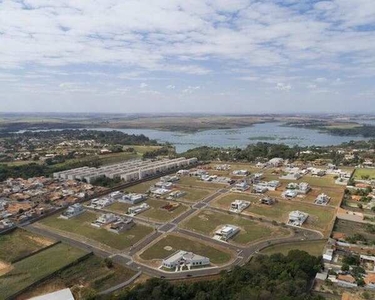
[241,137]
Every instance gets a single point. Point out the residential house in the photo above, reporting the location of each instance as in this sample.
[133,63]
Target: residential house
[297,218]
[183,258]
[322,199]
[238,206]
[135,210]
[104,219]
[72,211]
[226,232]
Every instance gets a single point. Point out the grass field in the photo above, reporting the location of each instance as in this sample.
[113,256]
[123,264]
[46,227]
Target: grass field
[364,172]
[158,214]
[158,251]
[119,207]
[319,217]
[207,222]
[20,243]
[91,273]
[312,247]
[142,188]
[349,228]
[33,268]
[195,182]
[81,225]
[194,194]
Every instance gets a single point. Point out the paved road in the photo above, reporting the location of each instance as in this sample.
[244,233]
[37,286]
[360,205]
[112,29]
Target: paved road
[121,257]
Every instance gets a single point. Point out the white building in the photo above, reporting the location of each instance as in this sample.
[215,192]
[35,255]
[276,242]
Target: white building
[240,187]
[104,219]
[72,211]
[135,210]
[226,232]
[116,195]
[259,189]
[289,194]
[100,203]
[276,162]
[237,206]
[297,218]
[182,172]
[133,198]
[224,167]
[127,171]
[121,225]
[176,194]
[158,192]
[5,224]
[182,259]
[240,172]
[322,199]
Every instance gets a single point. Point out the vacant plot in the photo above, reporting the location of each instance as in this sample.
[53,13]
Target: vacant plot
[89,274]
[119,207]
[20,243]
[319,217]
[312,247]
[194,194]
[81,225]
[158,214]
[207,222]
[364,174]
[195,182]
[349,228]
[173,243]
[36,267]
[143,187]
[325,181]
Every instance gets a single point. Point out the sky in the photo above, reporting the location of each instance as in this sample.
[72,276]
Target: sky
[152,56]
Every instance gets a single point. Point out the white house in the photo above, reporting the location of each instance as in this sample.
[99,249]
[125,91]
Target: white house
[116,195]
[241,187]
[224,167]
[72,211]
[101,202]
[121,225]
[182,172]
[238,206]
[176,194]
[135,210]
[183,258]
[240,172]
[226,232]
[297,218]
[322,199]
[276,162]
[133,198]
[104,219]
[289,194]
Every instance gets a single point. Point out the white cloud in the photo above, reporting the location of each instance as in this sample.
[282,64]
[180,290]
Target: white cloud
[143,85]
[190,89]
[170,87]
[283,87]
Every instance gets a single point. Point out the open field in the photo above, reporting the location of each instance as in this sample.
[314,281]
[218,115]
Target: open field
[158,214]
[319,216]
[364,172]
[91,273]
[349,228]
[143,187]
[119,207]
[144,149]
[20,243]
[36,267]
[312,247]
[207,222]
[194,194]
[195,182]
[157,251]
[81,225]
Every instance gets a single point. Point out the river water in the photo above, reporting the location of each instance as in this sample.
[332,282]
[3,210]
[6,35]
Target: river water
[241,137]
